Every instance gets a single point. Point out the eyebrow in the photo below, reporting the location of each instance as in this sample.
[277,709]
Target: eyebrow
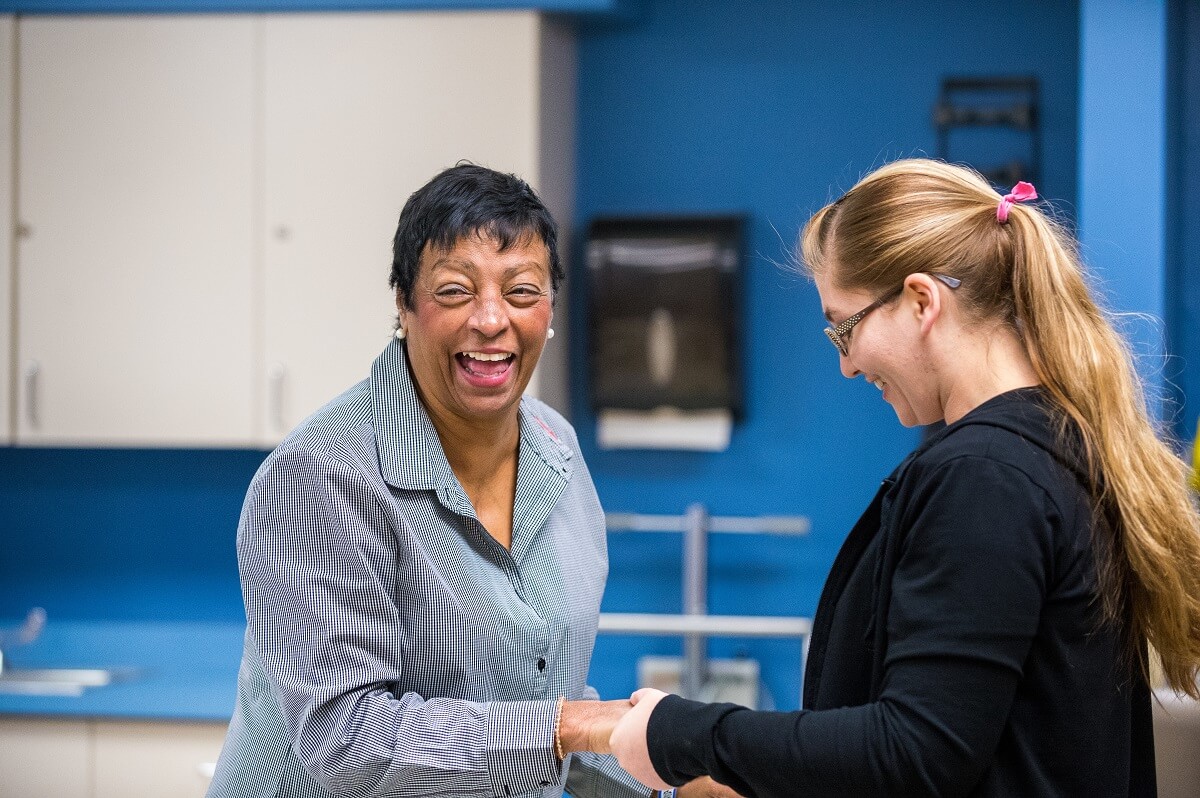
[468,265]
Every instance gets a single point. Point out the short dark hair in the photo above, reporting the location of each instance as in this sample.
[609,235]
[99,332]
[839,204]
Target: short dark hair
[467,200]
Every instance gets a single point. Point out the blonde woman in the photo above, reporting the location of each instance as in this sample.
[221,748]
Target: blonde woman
[985,628]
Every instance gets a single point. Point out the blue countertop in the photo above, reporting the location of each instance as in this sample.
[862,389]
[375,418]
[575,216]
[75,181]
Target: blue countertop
[182,671]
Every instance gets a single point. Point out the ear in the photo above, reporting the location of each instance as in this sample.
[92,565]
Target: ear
[402,307]
[927,299]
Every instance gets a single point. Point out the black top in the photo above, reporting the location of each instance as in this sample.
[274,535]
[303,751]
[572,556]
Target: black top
[957,648]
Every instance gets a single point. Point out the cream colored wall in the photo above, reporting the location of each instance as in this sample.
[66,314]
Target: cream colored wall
[7,67]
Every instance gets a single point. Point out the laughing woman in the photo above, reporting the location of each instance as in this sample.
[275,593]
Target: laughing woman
[423,559]
[986,627]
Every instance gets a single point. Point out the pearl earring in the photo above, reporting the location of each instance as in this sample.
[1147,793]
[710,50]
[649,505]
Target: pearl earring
[400,333]
[549,333]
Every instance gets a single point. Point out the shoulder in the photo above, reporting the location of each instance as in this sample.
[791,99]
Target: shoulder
[983,448]
[333,438]
[994,488]
[345,418]
[1019,431]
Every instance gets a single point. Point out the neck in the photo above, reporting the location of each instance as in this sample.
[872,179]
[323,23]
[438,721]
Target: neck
[478,449]
[982,365]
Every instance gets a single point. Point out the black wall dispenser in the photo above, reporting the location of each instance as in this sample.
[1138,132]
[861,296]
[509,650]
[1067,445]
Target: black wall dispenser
[664,329]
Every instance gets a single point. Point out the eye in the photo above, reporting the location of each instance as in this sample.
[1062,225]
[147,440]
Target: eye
[525,294]
[451,294]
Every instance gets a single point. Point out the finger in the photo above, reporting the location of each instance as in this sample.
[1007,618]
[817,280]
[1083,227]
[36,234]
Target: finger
[645,692]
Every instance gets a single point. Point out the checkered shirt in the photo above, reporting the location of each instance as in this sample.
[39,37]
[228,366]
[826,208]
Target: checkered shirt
[393,647]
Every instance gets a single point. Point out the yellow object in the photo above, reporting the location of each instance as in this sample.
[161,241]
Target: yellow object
[1195,478]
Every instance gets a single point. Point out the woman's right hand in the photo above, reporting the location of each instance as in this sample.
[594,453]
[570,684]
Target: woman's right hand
[628,740]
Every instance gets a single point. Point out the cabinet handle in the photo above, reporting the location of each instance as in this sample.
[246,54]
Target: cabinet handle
[32,372]
[276,376]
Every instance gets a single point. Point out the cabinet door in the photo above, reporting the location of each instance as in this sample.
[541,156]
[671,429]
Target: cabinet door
[8,32]
[42,758]
[360,111]
[153,759]
[135,278]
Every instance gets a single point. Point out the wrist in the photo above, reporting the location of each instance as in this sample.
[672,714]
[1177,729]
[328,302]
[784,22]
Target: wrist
[587,725]
[558,747]
[574,728]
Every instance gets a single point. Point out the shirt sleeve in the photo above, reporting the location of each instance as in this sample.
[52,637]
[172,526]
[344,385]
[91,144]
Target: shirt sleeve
[966,601]
[318,574]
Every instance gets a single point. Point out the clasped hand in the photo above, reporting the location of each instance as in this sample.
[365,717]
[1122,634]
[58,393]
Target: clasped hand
[619,728]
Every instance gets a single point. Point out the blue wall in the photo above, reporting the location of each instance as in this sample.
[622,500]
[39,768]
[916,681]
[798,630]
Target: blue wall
[126,535]
[1183,172]
[772,107]
[765,106]
[1123,168]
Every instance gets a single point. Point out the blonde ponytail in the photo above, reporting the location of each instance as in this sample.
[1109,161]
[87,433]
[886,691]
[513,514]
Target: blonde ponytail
[1148,542]
[926,216]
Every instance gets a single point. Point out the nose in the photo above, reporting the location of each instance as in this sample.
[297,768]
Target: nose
[490,316]
[847,368]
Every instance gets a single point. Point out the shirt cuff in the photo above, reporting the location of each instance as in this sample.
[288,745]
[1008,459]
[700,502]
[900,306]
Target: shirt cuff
[520,746]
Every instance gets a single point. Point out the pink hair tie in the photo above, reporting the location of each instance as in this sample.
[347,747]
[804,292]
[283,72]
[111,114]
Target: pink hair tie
[1021,192]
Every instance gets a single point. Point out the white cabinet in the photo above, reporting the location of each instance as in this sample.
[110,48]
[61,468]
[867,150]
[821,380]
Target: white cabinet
[210,200]
[8,32]
[51,758]
[359,111]
[42,758]
[154,759]
[135,275]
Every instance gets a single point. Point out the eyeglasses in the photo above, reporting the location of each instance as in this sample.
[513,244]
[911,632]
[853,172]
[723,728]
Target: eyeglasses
[839,333]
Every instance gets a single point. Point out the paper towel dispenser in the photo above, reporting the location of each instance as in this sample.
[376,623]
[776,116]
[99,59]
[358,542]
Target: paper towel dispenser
[665,323]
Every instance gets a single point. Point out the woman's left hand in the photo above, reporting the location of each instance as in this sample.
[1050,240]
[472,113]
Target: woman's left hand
[628,739]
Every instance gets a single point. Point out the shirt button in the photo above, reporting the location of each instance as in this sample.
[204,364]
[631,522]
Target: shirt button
[541,664]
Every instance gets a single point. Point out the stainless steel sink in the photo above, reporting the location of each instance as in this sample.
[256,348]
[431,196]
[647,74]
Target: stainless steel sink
[58,681]
[48,681]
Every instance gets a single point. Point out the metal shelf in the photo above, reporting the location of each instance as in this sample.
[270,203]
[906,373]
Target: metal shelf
[695,625]
[653,623]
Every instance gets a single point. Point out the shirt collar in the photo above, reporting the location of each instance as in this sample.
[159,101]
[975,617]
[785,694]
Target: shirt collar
[410,453]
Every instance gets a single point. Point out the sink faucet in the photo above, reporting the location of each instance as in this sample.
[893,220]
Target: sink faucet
[24,634]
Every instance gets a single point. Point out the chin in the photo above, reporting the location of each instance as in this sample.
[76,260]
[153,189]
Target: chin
[908,418]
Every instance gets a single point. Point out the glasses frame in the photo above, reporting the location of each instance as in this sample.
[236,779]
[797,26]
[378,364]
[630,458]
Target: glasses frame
[837,335]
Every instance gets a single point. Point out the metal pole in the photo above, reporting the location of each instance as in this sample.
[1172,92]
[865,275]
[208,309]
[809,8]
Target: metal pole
[695,598]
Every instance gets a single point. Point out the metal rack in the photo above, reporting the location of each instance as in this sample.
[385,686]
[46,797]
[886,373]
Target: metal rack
[695,625]
[996,102]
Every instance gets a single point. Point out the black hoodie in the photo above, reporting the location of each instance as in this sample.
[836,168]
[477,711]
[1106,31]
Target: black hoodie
[958,647]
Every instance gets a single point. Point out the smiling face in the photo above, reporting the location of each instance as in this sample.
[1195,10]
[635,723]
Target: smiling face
[885,349]
[477,326]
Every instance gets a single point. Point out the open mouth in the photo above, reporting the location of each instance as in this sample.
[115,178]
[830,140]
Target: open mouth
[486,365]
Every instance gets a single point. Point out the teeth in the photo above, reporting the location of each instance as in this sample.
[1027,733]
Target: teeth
[878,384]
[485,356]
